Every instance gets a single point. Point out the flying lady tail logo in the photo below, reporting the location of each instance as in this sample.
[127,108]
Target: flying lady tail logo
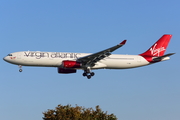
[159,48]
[156,51]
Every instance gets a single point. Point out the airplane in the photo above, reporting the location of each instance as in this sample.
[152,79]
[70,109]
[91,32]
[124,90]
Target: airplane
[67,63]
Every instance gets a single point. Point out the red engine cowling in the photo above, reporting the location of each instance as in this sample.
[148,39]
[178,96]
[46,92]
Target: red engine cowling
[66,71]
[71,64]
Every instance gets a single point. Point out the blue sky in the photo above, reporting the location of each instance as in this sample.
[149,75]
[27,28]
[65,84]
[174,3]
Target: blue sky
[146,93]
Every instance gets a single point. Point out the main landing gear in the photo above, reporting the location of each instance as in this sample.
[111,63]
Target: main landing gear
[20,68]
[88,73]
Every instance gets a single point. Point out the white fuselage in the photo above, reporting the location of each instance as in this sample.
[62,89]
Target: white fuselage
[54,59]
[67,63]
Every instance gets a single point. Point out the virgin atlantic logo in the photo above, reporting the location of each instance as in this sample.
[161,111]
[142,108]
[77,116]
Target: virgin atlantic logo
[156,52]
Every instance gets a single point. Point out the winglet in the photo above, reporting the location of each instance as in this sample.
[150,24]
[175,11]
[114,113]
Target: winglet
[123,42]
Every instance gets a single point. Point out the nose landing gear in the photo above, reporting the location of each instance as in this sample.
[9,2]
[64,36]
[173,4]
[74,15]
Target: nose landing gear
[20,68]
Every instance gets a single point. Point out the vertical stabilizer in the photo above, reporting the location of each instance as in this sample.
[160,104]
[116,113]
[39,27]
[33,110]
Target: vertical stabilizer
[159,48]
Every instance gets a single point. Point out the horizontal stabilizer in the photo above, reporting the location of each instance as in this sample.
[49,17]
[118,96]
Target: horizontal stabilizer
[157,59]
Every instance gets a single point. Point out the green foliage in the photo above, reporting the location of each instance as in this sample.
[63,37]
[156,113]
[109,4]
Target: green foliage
[77,113]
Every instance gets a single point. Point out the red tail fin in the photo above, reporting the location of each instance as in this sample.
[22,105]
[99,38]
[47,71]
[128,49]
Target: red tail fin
[159,48]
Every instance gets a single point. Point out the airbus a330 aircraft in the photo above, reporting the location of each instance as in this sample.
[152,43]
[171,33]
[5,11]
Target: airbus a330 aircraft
[70,62]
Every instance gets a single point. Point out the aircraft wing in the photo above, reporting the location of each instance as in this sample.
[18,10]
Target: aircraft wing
[90,60]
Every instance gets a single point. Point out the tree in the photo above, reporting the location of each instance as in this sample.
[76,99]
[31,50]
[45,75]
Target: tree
[77,113]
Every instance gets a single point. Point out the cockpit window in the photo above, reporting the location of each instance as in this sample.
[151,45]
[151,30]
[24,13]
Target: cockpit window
[9,55]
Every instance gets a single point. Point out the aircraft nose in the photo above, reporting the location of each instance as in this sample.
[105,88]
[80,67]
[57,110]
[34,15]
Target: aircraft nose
[5,58]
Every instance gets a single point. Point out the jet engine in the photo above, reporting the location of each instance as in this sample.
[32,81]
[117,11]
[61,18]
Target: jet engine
[71,64]
[66,71]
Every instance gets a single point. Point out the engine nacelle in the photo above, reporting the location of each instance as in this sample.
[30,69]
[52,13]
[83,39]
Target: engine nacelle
[66,71]
[71,64]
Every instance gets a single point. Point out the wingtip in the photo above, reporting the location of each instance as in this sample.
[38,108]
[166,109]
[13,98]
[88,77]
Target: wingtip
[123,42]
[172,53]
[167,34]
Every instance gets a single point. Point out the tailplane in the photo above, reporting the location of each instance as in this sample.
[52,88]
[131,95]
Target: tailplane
[159,48]
[162,58]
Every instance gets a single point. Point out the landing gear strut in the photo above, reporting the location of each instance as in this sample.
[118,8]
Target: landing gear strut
[20,68]
[88,73]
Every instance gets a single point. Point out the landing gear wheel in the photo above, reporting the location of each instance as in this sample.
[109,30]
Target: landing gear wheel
[20,70]
[89,76]
[92,73]
[84,74]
